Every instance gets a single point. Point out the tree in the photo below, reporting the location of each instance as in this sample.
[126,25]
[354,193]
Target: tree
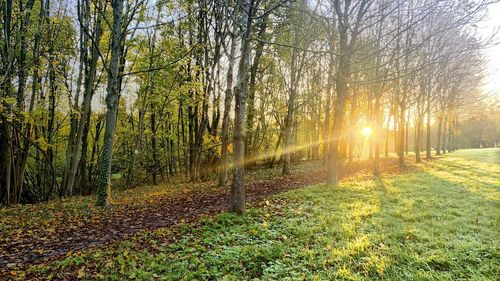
[350,18]
[237,201]
[112,98]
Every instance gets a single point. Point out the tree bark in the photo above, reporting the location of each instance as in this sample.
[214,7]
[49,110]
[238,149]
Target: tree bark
[377,134]
[443,141]
[440,126]
[237,200]
[259,49]
[341,83]
[402,132]
[228,99]
[428,154]
[112,97]
[67,185]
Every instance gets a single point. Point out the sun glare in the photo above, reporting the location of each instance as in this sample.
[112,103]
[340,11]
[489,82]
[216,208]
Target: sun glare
[367,131]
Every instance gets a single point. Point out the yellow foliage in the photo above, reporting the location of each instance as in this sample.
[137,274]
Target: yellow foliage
[42,143]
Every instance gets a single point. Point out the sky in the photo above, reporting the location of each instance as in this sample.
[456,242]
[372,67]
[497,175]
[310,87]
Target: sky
[491,24]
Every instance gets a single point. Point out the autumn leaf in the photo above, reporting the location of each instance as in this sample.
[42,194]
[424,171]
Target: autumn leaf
[81,273]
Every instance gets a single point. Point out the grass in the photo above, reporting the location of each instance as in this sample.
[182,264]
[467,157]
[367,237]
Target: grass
[440,222]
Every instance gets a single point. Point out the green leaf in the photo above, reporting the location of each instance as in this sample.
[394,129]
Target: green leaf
[10,100]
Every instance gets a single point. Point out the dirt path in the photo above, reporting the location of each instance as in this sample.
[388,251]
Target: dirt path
[118,224]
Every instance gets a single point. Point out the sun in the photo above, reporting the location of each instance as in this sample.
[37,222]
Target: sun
[367,131]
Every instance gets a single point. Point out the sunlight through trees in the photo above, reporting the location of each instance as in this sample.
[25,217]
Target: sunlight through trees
[100,94]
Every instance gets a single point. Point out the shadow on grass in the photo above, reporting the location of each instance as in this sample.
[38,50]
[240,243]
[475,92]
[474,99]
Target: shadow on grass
[431,223]
[450,166]
[437,227]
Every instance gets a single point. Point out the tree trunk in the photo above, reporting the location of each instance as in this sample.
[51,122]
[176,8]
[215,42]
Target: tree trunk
[402,133]
[387,136]
[67,185]
[396,131]
[154,164]
[428,133]
[138,144]
[407,130]
[450,134]
[237,200]
[327,138]
[259,49]
[112,97]
[443,141]
[377,135]
[341,83]
[440,126]
[5,132]
[418,137]
[84,181]
[228,99]
[288,134]
[351,137]
[297,63]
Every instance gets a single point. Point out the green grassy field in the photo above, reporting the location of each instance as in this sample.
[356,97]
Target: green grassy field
[438,222]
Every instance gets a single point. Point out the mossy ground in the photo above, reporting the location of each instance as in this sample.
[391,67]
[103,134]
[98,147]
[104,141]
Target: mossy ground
[439,222]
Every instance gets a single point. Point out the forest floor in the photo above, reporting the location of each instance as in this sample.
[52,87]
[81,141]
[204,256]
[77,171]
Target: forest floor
[437,221]
[41,233]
